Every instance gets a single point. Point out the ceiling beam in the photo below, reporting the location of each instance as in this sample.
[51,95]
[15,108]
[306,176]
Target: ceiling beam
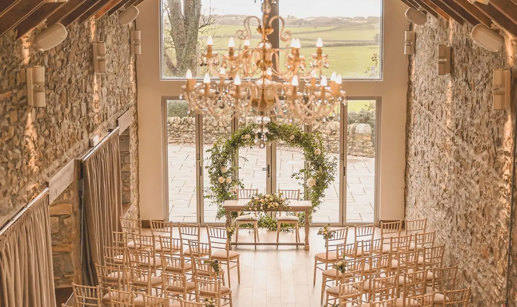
[421,4]
[474,11]
[37,17]
[449,12]
[408,3]
[498,18]
[106,8]
[433,7]
[92,10]
[117,7]
[5,5]
[509,9]
[17,13]
[458,9]
[78,12]
[63,11]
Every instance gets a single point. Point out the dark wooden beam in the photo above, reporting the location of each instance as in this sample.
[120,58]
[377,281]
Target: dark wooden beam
[17,13]
[63,11]
[137,2]
[5,5]
[449,12]
[458,9]
[509,9]
[106,8]
[438,10]
[37,17]
[498,17]
[427,8]
[93,10]
[117,7]
[78,12]
[474,11]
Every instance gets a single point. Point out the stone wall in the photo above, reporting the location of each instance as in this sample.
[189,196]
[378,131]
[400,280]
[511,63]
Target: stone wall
[459,157]
[360,139]
[37,142]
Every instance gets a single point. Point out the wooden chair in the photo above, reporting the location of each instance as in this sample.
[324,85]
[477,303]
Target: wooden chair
[404,261]
[369,247]
[413,284]
[422,300]
[247,218]
[130,225]
[144,258]
[220,250]
[144,280]
[333,274]
[199,249]
[111,276]
[384,303]
[171,245]
[114,255]
[184,303]
[188,232]
[345,294]
[119,298]
[175,263]
[207,288]
[456,298]
[381,289]
[329,256]
[177,285]
[202,269]
[443,279]
[422,240]
[364,232]
[397,244]
[86,295]
[154,301]
[119,239]
[161,229]
[289,220]
[389,229]
[432,257]
[415,226]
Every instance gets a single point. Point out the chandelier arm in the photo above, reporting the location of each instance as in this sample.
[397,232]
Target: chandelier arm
[284,35]
[245,33]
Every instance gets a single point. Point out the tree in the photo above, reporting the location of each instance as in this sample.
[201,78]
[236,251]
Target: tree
[183,22]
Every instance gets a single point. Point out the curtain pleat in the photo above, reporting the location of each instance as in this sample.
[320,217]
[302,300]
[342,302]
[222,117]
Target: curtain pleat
[102,203]
[26,272]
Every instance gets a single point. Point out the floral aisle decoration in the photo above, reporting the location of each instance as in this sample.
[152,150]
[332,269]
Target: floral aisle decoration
[222,173]
[215,265]
[325,232]
[267,202]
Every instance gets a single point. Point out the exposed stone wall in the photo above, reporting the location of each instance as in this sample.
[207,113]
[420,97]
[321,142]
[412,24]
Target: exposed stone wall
[37,142]
[459,157]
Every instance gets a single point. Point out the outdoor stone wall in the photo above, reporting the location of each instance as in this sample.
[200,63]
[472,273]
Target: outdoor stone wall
[181,130]
[459,158]
[37,142]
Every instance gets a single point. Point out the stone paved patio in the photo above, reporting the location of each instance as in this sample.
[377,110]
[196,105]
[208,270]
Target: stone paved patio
[182,183]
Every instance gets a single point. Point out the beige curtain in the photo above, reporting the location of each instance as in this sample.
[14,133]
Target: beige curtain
[26,273]
[102,203]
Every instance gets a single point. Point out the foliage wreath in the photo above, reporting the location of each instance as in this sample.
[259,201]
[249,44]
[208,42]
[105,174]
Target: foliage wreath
[223,180]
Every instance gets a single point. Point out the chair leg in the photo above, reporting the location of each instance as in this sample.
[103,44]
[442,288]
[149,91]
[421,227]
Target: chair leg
[255,233]
[315,265]
[238,270]
[323,281]
[277,232]
[236,233]
[228,268]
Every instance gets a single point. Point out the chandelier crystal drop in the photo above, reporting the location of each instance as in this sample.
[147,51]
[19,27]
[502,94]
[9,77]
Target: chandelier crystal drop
[250,82]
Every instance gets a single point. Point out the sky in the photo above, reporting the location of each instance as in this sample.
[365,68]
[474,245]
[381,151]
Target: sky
[299,8]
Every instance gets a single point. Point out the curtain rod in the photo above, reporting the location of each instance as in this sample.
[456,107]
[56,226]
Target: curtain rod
[20,213]
[96,147]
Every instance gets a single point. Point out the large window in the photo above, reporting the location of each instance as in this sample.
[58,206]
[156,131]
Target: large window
[350,29]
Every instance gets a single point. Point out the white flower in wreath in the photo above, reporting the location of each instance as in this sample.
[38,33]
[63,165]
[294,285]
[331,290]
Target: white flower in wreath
[220,179]
[224,169]
[229,180]
[246,136]
[317,151]
[291,137]
[311,182]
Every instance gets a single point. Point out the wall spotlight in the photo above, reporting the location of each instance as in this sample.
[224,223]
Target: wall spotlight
[501,89]
[36,86]
[487,38]
[409,42]
[136,42]
[50,37]
[444,60]
[415,16]
[99,57]
[128,15]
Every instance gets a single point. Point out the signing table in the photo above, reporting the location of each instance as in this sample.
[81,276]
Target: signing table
[241,205]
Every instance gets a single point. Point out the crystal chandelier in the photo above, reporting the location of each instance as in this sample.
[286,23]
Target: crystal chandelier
[249,81]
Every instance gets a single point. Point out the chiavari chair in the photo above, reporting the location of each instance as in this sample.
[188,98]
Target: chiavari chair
[111,276]
[422,240]
[161,229]
[119,239]
[334,274]
[405,261]
[131,225]
[155,301]
[390,229]
[119,298]
[145,243]
[443,279]
[220,250]
[175,263]
[397,244]
[188,232]
[184,303]
[115,255]
[413,284]
[142,258]
[422,300]
[346,293]
[456,298]
[199,249]
[364,232]
[86,296]
[247,218]
[431,257]
[329,256]
[381,288]
[415,226]
[144,280]
[209,288]
[201,268]
[171,245]
[177,285]
[288,220]
[384,303]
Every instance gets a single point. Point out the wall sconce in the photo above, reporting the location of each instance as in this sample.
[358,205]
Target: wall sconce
[36,86]
[409,42]
[415,16]
[501,89]
[128,15]
[487,38]
[99,57]
[136,42]
[444,60]
[50,37]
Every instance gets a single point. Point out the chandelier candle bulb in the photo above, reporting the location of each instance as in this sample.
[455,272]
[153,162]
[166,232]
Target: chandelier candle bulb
[237,83]
[231,47]
[319,46]
[190,83]
[294,84]
[206,81]
[209,43]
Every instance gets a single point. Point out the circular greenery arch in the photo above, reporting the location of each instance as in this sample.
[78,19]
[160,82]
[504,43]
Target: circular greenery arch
[319,170]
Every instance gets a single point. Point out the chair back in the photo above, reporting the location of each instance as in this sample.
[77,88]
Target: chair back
[457,298]
[130,225]
[390,228]
[433,257]
[383,288]
[140,258]
[416,226]
[406,260]
[350,293]
[155,301]
[218,238]
[189,232]
[173,262]
[199,249]
[86,295]
[162,228]
[175,283]
[120,298]
[444,278]
[142,241]
[119,239]
[208,288]
[289,194]
[184,303]
[422,300]
[384,303]
[114,255]
[399,243]
[424,239]
[202,268]
[140,279]
[246,193]
[413,283]
[110,276]
[364,232]
[171,245]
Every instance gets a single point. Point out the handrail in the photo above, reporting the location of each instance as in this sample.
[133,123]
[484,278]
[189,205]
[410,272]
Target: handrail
[92,150]
[20,213]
